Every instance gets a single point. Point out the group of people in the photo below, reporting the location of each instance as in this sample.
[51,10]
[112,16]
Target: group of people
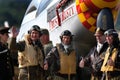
[39,60]
[104,57]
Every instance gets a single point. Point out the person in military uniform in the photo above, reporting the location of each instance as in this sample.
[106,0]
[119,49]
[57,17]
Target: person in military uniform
[64,58]
[6,64]
[47,45]
[111,63]
[30,54]
[95,57]
[45,40]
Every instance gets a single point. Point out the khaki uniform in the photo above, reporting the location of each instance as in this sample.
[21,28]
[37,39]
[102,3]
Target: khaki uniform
[65,64]
[111,72]
[30,58]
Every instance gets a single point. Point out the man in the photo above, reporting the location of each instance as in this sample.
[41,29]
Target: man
[30,55]
[45,40]
[95,57]
[63,56]
[6,64]
[47,45]
[111,64]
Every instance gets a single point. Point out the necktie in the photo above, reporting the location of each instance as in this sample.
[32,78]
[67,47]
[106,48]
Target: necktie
[98,48]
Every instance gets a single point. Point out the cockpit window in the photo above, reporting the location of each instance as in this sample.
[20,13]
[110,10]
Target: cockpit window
[31,9]
[42,6]
[117,25]
[30,15]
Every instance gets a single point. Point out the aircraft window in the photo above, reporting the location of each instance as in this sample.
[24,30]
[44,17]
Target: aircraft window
[43,5]
[31,9]
[69,2]
[51,12]
[29,17]
[117,26]
[30,14]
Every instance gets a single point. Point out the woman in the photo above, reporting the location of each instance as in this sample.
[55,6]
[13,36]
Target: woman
[111,64]
[6,66]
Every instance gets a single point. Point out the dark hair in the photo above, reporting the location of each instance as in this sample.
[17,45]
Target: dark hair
[45,31]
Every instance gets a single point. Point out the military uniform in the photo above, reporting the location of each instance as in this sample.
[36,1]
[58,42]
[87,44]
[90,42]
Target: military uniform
[111,63]
[64,62]
[94,61]
[47,47]
[95,57]
[111,72]
[30,54]
[30,58]
[6,64]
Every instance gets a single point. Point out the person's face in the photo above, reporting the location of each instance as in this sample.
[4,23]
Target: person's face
[100,38]
[4,37]
[34,35]
[109,39]
[66,40]
[44,39]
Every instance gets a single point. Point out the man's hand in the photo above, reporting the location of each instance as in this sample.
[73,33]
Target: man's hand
[110,62]
[14,32]
[46,66]
[81,63]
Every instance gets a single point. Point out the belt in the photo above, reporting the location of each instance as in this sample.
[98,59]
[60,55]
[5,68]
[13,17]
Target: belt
[30,67]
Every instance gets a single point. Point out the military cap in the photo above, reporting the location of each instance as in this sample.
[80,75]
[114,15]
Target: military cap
[4,30]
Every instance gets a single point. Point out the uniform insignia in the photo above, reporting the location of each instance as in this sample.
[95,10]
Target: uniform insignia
[4,51]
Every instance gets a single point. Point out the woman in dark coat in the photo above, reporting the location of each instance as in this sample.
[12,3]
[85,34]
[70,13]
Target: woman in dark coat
[6,66]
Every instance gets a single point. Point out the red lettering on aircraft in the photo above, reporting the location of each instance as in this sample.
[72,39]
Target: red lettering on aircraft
[65,14]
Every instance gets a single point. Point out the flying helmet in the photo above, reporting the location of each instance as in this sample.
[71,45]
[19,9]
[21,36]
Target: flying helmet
[36,28]
[66,33]
[45,31]
[4,30]
[111,32]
